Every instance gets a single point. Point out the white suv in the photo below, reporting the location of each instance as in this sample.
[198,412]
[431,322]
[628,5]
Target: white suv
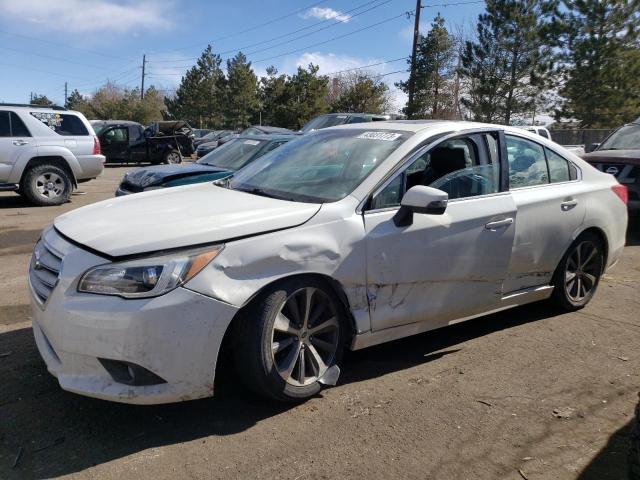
[46,151]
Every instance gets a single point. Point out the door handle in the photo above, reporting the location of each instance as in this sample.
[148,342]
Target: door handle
[19,143]
[499,224]
[568,205]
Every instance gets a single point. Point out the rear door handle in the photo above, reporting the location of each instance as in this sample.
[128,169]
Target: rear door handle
[19,143]
[568,205]
[499,224]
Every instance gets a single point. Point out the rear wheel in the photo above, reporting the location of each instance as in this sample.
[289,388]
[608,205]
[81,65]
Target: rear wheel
[46,185]
[172,156]
[577,277]
[290,336]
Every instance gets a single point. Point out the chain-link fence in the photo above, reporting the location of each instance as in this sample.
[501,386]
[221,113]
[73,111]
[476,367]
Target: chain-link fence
[585,136]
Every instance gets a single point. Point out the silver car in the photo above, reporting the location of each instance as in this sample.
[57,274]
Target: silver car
[346,237]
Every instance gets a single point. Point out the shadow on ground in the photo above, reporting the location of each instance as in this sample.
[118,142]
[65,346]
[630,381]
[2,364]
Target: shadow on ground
[59,433]
[611,462]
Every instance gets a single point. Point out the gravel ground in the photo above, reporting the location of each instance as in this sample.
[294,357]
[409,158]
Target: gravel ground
[527,393]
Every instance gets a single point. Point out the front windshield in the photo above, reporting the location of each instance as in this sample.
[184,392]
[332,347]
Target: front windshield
[323,166]
[324,121]
[233,154]
[625,138]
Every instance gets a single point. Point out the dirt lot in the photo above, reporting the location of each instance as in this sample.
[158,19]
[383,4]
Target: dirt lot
[473,401]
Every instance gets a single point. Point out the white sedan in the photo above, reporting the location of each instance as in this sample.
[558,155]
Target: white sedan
[343,238]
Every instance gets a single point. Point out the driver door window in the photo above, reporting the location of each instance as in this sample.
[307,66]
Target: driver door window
[463,167]
[117,135]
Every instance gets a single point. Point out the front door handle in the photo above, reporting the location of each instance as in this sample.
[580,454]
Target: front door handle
[568,204]
[499,224]
[19,143]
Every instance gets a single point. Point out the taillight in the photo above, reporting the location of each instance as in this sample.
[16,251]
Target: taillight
[622,192]
[96,145]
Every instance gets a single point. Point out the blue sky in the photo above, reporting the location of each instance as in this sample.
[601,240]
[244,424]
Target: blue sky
[44,43]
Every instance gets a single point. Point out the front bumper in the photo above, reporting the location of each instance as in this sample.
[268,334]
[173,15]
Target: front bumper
[176,336]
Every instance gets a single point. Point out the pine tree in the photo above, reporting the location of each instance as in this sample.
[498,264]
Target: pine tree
[38,99]
[359,92]
[600,61]
[271,92]
[241,99]
[508,63]
[434,74]
[200,97]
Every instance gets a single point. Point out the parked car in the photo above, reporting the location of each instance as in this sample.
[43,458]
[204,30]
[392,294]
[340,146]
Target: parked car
[129,142]
[45,152]
[619,155]
[207,147]
[346,237]
[266,130]
[211,137]
[542,131]
[220,163]
[201,132]
[333,119]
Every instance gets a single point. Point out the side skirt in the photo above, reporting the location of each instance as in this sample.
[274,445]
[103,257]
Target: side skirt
[513,299]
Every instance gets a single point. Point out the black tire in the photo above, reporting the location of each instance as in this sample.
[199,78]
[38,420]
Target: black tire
[568,296]
[172,157]
[634,450]
[254,337]
[39,193]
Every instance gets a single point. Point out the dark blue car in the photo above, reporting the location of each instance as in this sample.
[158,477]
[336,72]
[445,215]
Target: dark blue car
[220,163]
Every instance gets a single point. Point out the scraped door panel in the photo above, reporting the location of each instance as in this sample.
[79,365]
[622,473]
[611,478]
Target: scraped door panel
[442,267]
[548,218]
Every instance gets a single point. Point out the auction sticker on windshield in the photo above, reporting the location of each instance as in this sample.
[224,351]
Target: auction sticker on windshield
[251,142]
[386,136]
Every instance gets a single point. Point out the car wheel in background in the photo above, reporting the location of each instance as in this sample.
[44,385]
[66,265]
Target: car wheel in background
[289,337]
[172,156]
[46,185]
[577,277]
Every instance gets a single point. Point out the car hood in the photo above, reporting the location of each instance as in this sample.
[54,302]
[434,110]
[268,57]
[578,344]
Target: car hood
[178,217]
[613,156]
[156,175]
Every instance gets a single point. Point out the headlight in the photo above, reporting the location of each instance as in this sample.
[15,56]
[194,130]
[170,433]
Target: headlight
[147,277]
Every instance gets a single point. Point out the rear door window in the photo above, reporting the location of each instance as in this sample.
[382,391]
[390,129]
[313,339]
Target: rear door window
[558,167]
[63,124]
[18,128]
[527,164]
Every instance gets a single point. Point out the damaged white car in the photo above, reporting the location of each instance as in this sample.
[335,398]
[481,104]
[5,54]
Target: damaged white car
[343,238]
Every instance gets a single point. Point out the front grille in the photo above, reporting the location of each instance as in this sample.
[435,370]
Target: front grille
[44,270]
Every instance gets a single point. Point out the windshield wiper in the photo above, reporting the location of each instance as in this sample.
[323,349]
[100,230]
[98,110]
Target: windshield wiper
[263,193]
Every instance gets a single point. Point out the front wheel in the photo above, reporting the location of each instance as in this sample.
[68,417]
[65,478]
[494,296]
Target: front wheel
[289,337]
[577,277]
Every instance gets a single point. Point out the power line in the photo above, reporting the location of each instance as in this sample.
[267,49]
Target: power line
[387,20]
[337,22]
[61,44]
[50,57]
[256,27]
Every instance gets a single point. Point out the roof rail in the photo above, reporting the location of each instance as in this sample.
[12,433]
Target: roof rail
[31,105]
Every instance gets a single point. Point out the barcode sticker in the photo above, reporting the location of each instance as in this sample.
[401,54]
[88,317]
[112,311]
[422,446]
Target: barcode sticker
[386,136]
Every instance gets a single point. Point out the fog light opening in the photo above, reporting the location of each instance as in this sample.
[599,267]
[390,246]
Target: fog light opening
[130,374]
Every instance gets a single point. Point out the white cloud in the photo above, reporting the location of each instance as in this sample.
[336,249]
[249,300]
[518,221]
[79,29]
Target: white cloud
[326,14]
[332,62]
[84,16]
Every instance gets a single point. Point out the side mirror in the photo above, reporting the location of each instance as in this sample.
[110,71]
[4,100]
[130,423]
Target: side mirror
[593,146]
[420,199]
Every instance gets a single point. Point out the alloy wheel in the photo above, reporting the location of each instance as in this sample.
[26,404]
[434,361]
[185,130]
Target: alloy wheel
[173,158]
[305,335]
[584,266]
[50,185]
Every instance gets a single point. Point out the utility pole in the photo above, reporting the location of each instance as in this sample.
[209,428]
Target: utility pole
[65,94]
[30,97]
[144,63]
[412,75]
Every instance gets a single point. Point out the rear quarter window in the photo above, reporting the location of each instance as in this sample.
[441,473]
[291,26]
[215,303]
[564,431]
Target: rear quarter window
[63,124]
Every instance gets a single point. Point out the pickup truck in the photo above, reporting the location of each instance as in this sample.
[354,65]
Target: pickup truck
[124,141]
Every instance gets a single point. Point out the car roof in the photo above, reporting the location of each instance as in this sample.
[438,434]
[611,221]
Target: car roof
[267,128]
[335,114]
